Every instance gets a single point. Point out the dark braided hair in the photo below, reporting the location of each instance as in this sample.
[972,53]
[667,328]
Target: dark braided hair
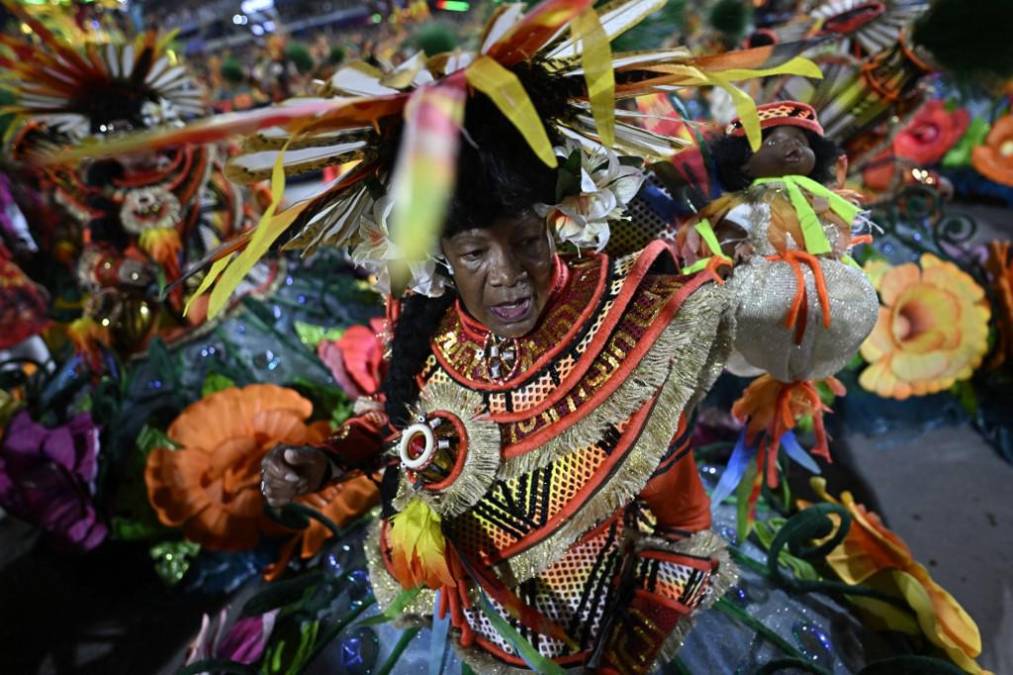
[497,176]
[730,153]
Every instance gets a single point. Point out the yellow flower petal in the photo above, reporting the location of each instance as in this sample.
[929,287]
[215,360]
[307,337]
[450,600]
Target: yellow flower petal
[942,620]
[874,270]
[880,342]
[932,332]
[895,281]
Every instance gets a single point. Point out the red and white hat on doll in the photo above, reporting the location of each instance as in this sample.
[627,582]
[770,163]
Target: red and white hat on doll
[778,114]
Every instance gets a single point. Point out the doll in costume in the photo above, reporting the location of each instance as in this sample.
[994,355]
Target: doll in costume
[782,237]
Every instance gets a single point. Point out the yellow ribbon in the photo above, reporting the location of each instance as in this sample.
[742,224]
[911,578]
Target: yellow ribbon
[209,278]
[507,92]
[596,59]
[268,229]
[745,107]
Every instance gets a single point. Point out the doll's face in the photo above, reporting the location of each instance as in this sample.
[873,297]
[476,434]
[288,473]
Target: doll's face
[785,151]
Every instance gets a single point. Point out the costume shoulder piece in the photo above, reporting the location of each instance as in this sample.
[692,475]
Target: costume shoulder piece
[580,412]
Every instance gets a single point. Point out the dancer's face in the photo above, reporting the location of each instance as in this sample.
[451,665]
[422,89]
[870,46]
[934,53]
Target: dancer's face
[785,152]
[503,273]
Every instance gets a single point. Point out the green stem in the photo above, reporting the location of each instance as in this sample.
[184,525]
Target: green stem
[399,648]
[742,616]
[295,346]
[797,664]
[335,630]
[744,560]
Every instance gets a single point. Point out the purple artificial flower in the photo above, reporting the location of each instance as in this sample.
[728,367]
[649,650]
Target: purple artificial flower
[245,641]
[47,478]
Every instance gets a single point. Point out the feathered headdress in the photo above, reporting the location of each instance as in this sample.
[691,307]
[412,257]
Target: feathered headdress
[418,107]
[95,88]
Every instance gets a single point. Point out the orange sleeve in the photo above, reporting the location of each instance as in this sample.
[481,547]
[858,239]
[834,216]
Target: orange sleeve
[677,497]
[358,443]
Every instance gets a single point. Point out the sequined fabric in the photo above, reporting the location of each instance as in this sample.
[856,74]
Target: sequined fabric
[762,289]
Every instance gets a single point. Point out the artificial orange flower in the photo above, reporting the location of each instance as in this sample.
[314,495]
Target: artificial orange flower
[871,553]
[210,486]
[994,159]
[932,328]
[340,502]
[1000,269]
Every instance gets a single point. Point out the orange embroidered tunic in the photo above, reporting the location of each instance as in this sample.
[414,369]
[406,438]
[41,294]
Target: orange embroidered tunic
[564,486]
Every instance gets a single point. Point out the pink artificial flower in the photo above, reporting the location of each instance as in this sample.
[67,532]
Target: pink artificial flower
[244,642]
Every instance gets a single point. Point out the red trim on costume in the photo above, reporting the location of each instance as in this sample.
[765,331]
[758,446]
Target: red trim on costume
[477,332]
[628,438]
[616,313]
[658,599]
[780,114]
[462,453]
[617,378]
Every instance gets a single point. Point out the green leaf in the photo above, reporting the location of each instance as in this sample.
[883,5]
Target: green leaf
[311,335]
[291,647]
[403,599]
[329,401]
[766,531]
[395,654]
[131,529]
[307,638]
[215,382]
[173,558]
[151,438]
[742,493]
[526,650]
[132,517]
[964,391]
[568,177]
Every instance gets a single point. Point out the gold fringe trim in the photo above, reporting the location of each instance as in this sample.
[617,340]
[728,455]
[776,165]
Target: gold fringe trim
[701,544]
[386,588]
[697,344]
[484,663]
[483,458]
[691,331]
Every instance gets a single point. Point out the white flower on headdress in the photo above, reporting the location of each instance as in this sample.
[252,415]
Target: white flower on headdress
[375,252]
[606,187]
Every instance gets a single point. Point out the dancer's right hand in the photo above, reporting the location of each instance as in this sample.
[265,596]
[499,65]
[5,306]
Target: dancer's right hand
[288,472]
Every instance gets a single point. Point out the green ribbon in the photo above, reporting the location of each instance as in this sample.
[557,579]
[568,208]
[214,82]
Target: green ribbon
[816,241]
[706,232]
[531,656]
